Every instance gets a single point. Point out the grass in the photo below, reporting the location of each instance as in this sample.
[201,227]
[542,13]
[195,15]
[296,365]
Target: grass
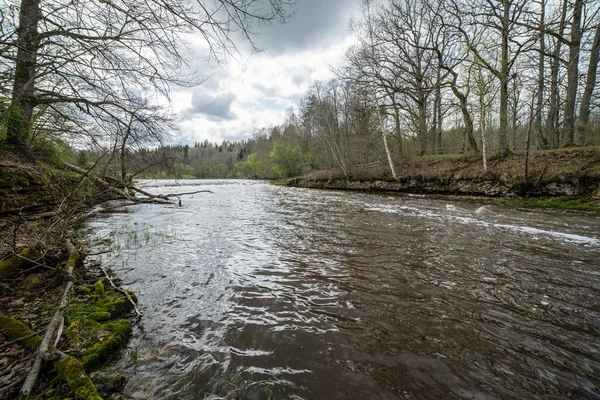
[560,203]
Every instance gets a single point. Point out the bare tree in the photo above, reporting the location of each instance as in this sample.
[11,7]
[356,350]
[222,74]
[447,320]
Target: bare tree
[485,22]
[541,72]
[89,55]
[553,112]
[572,73]
[590,85]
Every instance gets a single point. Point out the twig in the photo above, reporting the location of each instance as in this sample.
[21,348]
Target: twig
[59,331]
[124,292]
[98,253]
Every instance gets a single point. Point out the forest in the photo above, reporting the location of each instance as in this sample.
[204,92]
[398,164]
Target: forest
[425,77]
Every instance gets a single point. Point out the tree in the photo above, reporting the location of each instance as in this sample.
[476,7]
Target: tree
[485,22]
[572,74]
[553,112]
[252,168]
[590,84]
[90,56]
[288,160]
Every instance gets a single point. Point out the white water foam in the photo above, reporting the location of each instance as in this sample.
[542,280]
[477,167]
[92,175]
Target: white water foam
[570,237]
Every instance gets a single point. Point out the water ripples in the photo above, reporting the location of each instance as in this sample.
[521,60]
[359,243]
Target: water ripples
[327,295]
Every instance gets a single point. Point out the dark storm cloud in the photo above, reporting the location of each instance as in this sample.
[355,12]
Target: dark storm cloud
[316,22]
[214,106]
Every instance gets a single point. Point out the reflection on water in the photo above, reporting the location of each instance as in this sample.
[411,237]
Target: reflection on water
[266,290]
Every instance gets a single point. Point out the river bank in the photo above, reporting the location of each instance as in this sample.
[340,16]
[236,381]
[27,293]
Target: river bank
[57,308]
[572,173]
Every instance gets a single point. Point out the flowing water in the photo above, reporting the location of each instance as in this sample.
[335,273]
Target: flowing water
[260,291]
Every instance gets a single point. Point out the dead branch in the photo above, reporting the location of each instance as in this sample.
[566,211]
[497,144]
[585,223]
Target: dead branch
[167,196]
[150,198]
[43,352]
[124,292]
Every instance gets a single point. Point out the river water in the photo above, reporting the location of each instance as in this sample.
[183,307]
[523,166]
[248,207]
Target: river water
[261,291]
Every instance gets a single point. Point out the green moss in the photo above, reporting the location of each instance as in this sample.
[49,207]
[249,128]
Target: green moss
[73,260]
[71,370]
[100,316]
[83,289]
[73,332]
[112,303]
[99,288]
[12,264]
[103,350]
[115,305]
[13,329]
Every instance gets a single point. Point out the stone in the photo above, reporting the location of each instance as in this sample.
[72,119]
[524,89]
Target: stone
[108,383]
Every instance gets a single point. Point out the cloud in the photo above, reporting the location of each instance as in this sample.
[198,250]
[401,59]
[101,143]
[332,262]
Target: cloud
[315,22]
[255,91]
[215,106]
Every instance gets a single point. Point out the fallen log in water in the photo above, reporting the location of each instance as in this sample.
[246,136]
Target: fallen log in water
[150,198]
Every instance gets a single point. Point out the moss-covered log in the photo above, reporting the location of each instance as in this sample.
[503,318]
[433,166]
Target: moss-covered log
[13,264]
[71,370]
[13,330]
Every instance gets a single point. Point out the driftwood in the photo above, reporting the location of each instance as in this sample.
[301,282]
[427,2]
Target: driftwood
[44,353]
[127,295]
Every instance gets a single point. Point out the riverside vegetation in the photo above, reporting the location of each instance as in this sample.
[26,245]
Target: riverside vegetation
[42,206]
[418,104]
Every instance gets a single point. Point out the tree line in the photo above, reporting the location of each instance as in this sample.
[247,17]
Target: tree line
[444,76]
[424,77]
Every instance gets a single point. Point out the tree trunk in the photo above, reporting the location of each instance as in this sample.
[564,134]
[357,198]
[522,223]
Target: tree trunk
[124,149]
[572,74]
[466,114]
[422,123]
[584,110]
[482,126]
[552,120]
[540,95]
[23,96]
[434,125]
[515,115]
[389,156]
[504,77]
[438,109]
[398,128]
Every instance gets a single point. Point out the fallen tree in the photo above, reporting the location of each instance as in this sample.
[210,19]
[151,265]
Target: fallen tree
[124,190]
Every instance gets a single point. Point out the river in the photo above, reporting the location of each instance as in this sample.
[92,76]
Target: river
[261,291]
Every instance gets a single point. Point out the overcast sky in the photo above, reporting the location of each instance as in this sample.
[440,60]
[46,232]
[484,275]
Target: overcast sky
[255,92]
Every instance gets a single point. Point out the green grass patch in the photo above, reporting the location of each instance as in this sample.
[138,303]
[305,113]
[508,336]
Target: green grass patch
[560,203]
